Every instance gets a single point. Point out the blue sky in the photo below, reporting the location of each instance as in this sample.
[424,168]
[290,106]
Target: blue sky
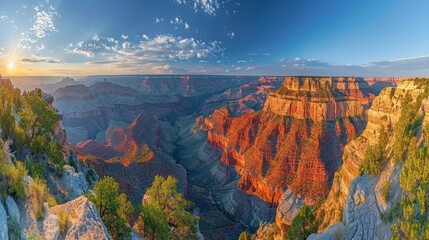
[277,37]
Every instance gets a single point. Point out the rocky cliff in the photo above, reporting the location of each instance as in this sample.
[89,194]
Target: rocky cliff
[355,206]
[28,211]
[284,145]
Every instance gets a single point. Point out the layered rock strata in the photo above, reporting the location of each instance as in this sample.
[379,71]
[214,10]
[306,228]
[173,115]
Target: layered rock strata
[285,144]
[341,203]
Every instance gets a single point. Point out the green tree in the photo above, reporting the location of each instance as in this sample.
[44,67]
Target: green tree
[56,156]
[36,116]
[303,225]
[176,208]
[375,155]
[114,209]
[7,119]
[155,223]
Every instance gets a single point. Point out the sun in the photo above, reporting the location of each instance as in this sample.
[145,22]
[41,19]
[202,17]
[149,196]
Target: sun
[11,65]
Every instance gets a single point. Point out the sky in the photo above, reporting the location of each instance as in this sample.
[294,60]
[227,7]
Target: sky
[373,38]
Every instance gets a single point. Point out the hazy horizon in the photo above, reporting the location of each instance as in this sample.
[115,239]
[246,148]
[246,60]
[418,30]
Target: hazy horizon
[214,37]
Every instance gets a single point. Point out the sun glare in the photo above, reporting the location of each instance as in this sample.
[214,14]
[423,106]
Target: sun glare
[11,65]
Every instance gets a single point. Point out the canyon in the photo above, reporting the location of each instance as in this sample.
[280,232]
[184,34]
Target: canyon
[238,145]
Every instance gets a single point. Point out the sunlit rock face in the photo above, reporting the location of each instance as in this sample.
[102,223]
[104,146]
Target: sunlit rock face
[296,141]
[384,113]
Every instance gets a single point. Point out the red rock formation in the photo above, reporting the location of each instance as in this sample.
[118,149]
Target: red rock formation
[123,145]
[131,155]
[296,141]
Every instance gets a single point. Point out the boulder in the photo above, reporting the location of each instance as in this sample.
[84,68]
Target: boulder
[3,224]
[84,222]
[333,233]
[12,209]
[74,184]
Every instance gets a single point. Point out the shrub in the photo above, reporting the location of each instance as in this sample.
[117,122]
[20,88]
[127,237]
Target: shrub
[303,224]
[56,156]
[34,235]
[38,193]
[375,155]
[244,236]
[36,170]
[385,191]
[14,228]
[63,219]
[16,180]
[51,201]
[38,144]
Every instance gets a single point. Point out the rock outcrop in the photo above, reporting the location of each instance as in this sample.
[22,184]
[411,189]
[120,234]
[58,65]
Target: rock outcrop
[12,209]
[73,184]
[3,223]
[84,222]
[287,210]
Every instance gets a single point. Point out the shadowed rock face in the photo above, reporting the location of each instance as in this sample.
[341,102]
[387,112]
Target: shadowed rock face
[89,109]
[132,156]
[296,141]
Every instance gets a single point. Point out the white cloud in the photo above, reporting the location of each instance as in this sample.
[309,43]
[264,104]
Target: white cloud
[43,25]
[170,47]
[41,59]
[162,67]
[81,48]
[177,21]
[125,45]
[159,20]
[40,47]
[44,22]
[208,6]
[231,34]
[145,37]
[149,53]
[241,61]
[95,37]
[124,36]
[250,68]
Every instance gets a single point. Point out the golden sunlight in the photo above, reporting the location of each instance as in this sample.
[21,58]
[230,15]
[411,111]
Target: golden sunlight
[11,65]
